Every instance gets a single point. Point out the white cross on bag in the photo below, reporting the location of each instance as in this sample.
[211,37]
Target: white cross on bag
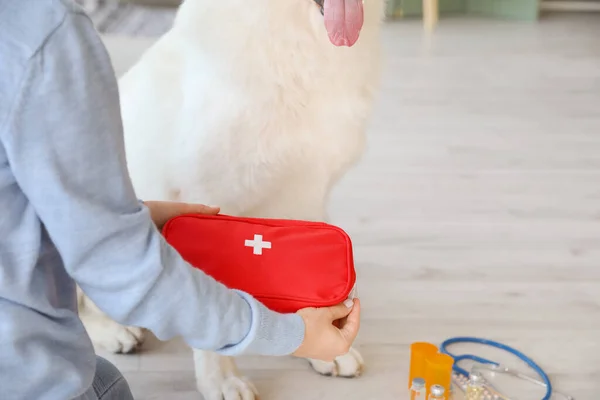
[258,244]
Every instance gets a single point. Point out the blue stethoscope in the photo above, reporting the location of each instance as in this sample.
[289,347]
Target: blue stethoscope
[545,380]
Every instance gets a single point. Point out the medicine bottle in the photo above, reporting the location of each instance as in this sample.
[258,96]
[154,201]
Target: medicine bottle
[436,392]
[417,389]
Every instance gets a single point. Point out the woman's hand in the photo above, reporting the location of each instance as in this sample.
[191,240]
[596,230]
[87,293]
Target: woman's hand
[323,340]
[162,211]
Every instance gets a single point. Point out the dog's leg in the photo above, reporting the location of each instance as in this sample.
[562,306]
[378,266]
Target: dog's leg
[309,205]
[106,333]
[218,378]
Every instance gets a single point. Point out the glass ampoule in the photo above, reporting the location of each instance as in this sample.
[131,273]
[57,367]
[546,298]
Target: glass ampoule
[475,387]
[417,389]
[436,392]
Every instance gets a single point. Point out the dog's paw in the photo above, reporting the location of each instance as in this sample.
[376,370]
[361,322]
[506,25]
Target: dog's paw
[123,339]
[113,337]
[218,378]
[230,388]
[350,365]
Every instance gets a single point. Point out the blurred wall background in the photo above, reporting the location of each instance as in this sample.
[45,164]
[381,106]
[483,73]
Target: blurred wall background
[154,17]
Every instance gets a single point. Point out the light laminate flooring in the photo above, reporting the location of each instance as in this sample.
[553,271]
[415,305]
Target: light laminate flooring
[476,211]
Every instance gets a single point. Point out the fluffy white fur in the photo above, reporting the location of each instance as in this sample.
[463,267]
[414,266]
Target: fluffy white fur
[247,105]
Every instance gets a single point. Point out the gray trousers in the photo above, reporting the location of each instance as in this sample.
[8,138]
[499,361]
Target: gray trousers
[109,383]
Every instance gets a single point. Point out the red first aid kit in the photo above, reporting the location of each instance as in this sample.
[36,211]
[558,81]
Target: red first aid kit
[285,264]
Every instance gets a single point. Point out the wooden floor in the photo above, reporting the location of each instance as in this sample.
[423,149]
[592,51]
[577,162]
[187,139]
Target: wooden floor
[476,211]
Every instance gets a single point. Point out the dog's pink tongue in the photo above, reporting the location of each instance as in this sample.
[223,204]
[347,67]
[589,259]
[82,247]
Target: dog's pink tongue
[343,20]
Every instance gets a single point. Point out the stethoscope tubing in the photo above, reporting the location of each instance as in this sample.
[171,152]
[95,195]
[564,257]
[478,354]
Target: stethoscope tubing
[467,339]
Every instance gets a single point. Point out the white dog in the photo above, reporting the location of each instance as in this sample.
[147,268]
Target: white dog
[259,107]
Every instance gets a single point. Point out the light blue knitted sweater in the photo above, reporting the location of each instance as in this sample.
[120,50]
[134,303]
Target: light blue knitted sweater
[69,214]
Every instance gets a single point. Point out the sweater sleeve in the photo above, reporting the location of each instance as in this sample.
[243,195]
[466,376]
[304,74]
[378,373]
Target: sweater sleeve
[64,141]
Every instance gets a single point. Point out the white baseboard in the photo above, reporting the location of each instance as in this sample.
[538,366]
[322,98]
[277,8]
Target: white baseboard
[556,5]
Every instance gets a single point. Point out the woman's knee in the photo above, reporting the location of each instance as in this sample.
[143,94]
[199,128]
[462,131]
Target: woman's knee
[109,383]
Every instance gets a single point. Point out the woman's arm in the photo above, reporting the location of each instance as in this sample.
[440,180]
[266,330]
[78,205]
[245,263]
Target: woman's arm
[65,146]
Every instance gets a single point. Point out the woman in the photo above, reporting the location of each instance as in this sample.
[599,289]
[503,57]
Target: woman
[69,216]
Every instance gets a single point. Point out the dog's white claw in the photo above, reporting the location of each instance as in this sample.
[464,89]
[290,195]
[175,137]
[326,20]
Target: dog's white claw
[230,388]
[239,388]
[218,378]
